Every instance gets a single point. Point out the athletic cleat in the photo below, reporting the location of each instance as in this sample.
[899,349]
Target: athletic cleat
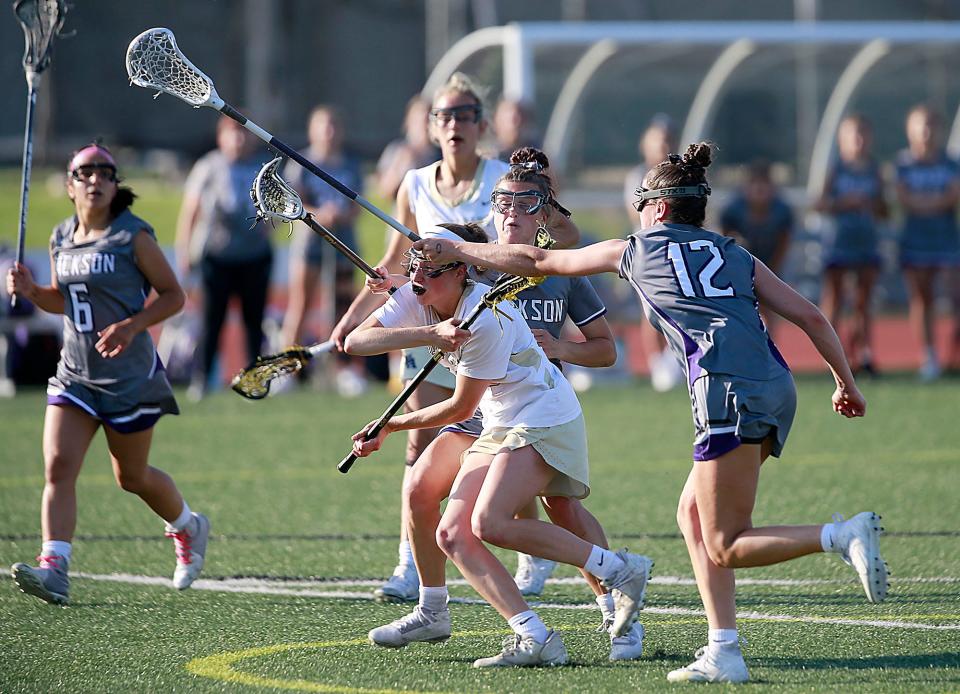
[858,540]
[626,647]
[420,625]
[629,587]
[402,586]
[191,551]
[49,581]
[720,664]
[520,651]
[532,573]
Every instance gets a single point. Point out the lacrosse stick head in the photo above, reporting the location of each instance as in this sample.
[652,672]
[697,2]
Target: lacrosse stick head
[154,61]
[508,286]
[273,197]
[254,381]
[41,21]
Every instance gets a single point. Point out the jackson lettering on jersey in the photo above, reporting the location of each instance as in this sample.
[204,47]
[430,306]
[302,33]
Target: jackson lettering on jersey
[93,263]
[546,310]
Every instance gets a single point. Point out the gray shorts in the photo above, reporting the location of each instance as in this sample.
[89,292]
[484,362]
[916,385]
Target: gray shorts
[728,411]
[471,427]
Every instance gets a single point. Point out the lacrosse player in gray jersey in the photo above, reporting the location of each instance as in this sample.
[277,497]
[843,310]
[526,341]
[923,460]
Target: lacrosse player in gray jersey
[104,262]
[701,290]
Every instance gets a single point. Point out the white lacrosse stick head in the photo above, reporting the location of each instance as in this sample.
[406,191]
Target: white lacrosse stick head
[273,197]
[154,61]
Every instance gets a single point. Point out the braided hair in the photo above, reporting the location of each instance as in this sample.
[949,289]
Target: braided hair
[687,170]
[527,165]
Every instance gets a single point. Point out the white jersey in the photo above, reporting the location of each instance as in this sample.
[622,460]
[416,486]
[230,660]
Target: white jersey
[527,391]
[431,208]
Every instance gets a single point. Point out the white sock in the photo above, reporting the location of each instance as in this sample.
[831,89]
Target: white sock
[182,521]
[723,637]
[606,606]
[405,551]
[529,624]
[603,563]
[826,537]
[58,547]
[433,598]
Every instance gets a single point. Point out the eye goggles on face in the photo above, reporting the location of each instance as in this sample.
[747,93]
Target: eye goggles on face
[645,195]
[523,201]
[413,262]
[85,172]
[468,113]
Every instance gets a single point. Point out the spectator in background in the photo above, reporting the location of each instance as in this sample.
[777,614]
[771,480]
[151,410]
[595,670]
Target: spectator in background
[853,197]
[657,141]
[514,128]
[215,233]
[412,151]
[761,221]
[928,188]
[309,253]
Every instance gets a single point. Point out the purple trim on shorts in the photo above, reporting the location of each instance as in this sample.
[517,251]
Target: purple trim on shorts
[139,423]
[64,401]
[715,446]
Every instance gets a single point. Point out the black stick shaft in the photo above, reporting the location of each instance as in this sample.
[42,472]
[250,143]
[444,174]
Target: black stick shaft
[332,239]
[287,150]
[25,173]
[345,464]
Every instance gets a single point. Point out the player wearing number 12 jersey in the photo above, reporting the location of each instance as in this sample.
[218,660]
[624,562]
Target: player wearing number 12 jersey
[104,262]
[701,291]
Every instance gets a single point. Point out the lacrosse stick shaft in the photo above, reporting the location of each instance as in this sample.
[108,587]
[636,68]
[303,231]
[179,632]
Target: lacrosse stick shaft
[332,239]
[282,147]
[321,348]
[399,401]
[32,81]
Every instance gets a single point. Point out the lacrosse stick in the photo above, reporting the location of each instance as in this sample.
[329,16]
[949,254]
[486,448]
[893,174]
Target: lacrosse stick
[41,21]
[253,382]
[505,289]
[275,199]
[154,61]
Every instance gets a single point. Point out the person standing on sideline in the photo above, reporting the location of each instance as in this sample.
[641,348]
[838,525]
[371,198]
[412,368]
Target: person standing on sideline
[412,151]
[216,233]
[928,188]
[454,189]
[104,261]
[853,196]
[702,291]
[760,220]
[658,140]
[309,252]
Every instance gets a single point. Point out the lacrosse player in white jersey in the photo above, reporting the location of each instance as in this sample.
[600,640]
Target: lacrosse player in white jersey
[454,189]
[533,443]
[701,290]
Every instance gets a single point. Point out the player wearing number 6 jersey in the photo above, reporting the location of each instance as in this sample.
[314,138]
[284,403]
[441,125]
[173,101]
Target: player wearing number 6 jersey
[701,291]
[104,262]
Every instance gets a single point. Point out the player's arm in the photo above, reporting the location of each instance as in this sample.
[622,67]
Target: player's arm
[597,349]
[45,297]
[150,260]
[366,302]
[186,225]
[784,300]
[527,261]
[562,228]
[371,337]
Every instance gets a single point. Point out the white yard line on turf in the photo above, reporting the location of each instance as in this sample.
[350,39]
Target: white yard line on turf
[264,587]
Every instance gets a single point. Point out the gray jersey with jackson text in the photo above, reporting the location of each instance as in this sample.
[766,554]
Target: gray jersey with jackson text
[697,288]
[101,285]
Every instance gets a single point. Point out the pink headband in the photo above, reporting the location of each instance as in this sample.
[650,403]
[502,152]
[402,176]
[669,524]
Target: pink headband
[91,150]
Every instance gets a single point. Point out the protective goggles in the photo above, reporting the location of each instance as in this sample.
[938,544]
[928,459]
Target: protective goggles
[85,172]
[645,195]
[468,113]
[433,272]
[523,201]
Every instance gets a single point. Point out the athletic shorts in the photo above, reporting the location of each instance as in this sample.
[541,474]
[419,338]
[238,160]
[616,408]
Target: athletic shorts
[563,447]
[122,416]
[728,411]
[413,361]
[471,427]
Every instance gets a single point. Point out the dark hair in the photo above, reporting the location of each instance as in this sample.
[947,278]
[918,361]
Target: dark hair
[124,197]
[527,165]
[679,171]
[470,232]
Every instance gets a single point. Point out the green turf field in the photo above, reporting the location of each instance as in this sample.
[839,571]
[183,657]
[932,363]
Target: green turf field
[312,543]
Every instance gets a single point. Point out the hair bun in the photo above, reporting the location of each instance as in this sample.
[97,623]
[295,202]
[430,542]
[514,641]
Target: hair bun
[530,159]
[698,156]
